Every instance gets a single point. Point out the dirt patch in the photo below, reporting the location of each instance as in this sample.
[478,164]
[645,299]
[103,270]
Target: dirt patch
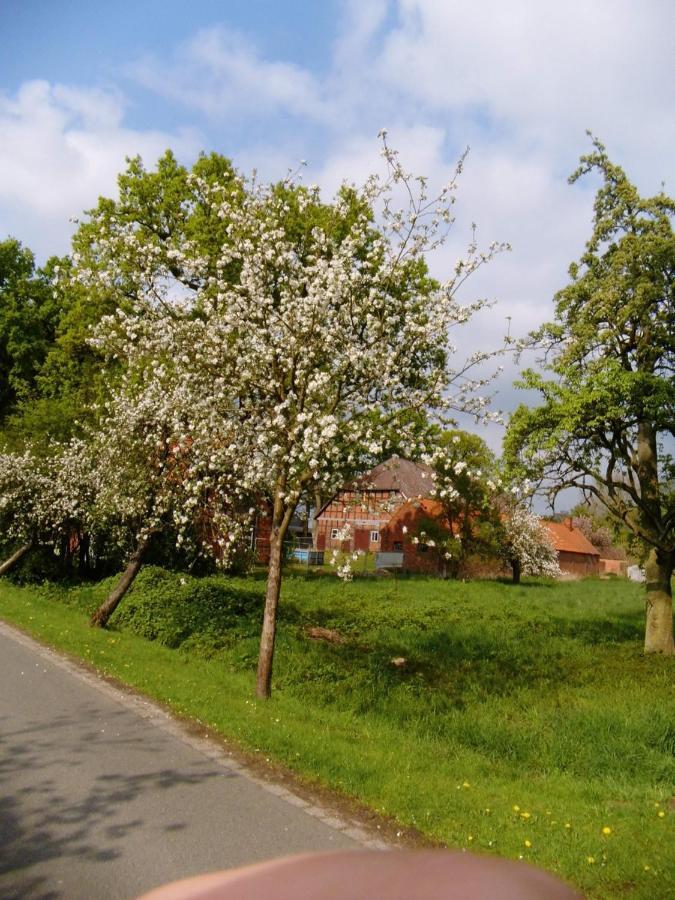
[316,633]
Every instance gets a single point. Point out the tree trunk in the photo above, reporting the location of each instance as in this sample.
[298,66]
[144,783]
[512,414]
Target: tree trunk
[106,609]
[659,627]
[269,628]
[83,562]
[515,567]
[14,558]
[318,503]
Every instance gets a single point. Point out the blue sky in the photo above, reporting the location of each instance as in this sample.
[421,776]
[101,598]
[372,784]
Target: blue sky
[82,85]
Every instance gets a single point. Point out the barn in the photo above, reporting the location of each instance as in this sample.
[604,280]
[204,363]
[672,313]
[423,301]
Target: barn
[576,555]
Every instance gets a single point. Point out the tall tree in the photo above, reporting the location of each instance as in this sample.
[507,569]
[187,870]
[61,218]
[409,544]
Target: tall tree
[609,412]
[29,314]
[69,376]
[312,322]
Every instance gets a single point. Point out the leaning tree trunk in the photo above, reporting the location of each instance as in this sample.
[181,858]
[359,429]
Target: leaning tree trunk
[516,569]
[14,558]
[106,609]
[280,524]
[659,628]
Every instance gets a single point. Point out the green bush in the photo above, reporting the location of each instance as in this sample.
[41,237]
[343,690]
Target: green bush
[178,610]
[38,565]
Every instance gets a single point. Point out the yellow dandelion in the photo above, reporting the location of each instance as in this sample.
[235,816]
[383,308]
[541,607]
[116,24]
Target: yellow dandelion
[516,808]
[606,830]
[525,815]
[647,868]
[661,814]
[470,837]
[528,843]
[466,784]
[568,824]
[590,860]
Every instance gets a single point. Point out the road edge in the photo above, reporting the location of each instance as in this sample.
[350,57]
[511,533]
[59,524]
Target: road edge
[183,730]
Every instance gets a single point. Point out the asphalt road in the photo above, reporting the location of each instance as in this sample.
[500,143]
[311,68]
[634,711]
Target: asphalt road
[103,796]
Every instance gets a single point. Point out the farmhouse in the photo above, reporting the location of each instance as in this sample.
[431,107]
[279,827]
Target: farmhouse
[354,518]
[411,519]
[576,554]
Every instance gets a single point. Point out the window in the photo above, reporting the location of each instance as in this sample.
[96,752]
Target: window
[398,546]
[334,533]
[375,536]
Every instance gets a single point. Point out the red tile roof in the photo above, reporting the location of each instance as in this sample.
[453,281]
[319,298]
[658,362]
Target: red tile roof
[431,508]
[569,540]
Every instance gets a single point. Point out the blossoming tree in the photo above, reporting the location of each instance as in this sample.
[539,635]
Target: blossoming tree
[525,545]
[149,480]
[329,320]
[23,482]
[465,485]
[46,500]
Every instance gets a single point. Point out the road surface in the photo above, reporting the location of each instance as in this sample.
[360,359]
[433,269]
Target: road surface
[102,795]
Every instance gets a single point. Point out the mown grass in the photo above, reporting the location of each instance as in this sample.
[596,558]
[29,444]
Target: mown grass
[525,720]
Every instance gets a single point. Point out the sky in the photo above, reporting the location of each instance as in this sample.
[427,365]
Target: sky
[268,83]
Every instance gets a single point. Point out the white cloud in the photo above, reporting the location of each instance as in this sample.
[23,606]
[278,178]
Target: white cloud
[540,71]
[62,147]
[219,72]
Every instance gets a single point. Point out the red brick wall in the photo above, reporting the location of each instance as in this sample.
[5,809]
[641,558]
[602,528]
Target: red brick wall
[578,563]
[426,562]
[613,566]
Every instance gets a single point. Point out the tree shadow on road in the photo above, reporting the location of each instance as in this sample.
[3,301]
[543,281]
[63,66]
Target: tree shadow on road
[67,799]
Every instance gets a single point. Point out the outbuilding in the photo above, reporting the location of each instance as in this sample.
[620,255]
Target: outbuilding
[576,555]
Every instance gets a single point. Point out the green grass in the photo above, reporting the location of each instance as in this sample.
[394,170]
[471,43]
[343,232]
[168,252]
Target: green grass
[525,720]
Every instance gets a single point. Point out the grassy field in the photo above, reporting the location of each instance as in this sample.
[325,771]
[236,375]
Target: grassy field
[524,720]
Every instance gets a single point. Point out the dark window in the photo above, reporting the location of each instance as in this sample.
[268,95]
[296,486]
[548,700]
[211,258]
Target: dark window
[398,546]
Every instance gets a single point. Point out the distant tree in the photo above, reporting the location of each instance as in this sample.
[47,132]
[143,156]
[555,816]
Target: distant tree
[610,409]
[466,484]
[604,530]
[524,544]
[598,535]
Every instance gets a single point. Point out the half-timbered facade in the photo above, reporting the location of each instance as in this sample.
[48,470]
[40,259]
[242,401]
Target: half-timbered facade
[353,519]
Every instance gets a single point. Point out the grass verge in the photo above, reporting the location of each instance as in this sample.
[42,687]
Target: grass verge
[522,721]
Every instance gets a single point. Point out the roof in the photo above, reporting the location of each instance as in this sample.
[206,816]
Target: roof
[397,474]
[568,539]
